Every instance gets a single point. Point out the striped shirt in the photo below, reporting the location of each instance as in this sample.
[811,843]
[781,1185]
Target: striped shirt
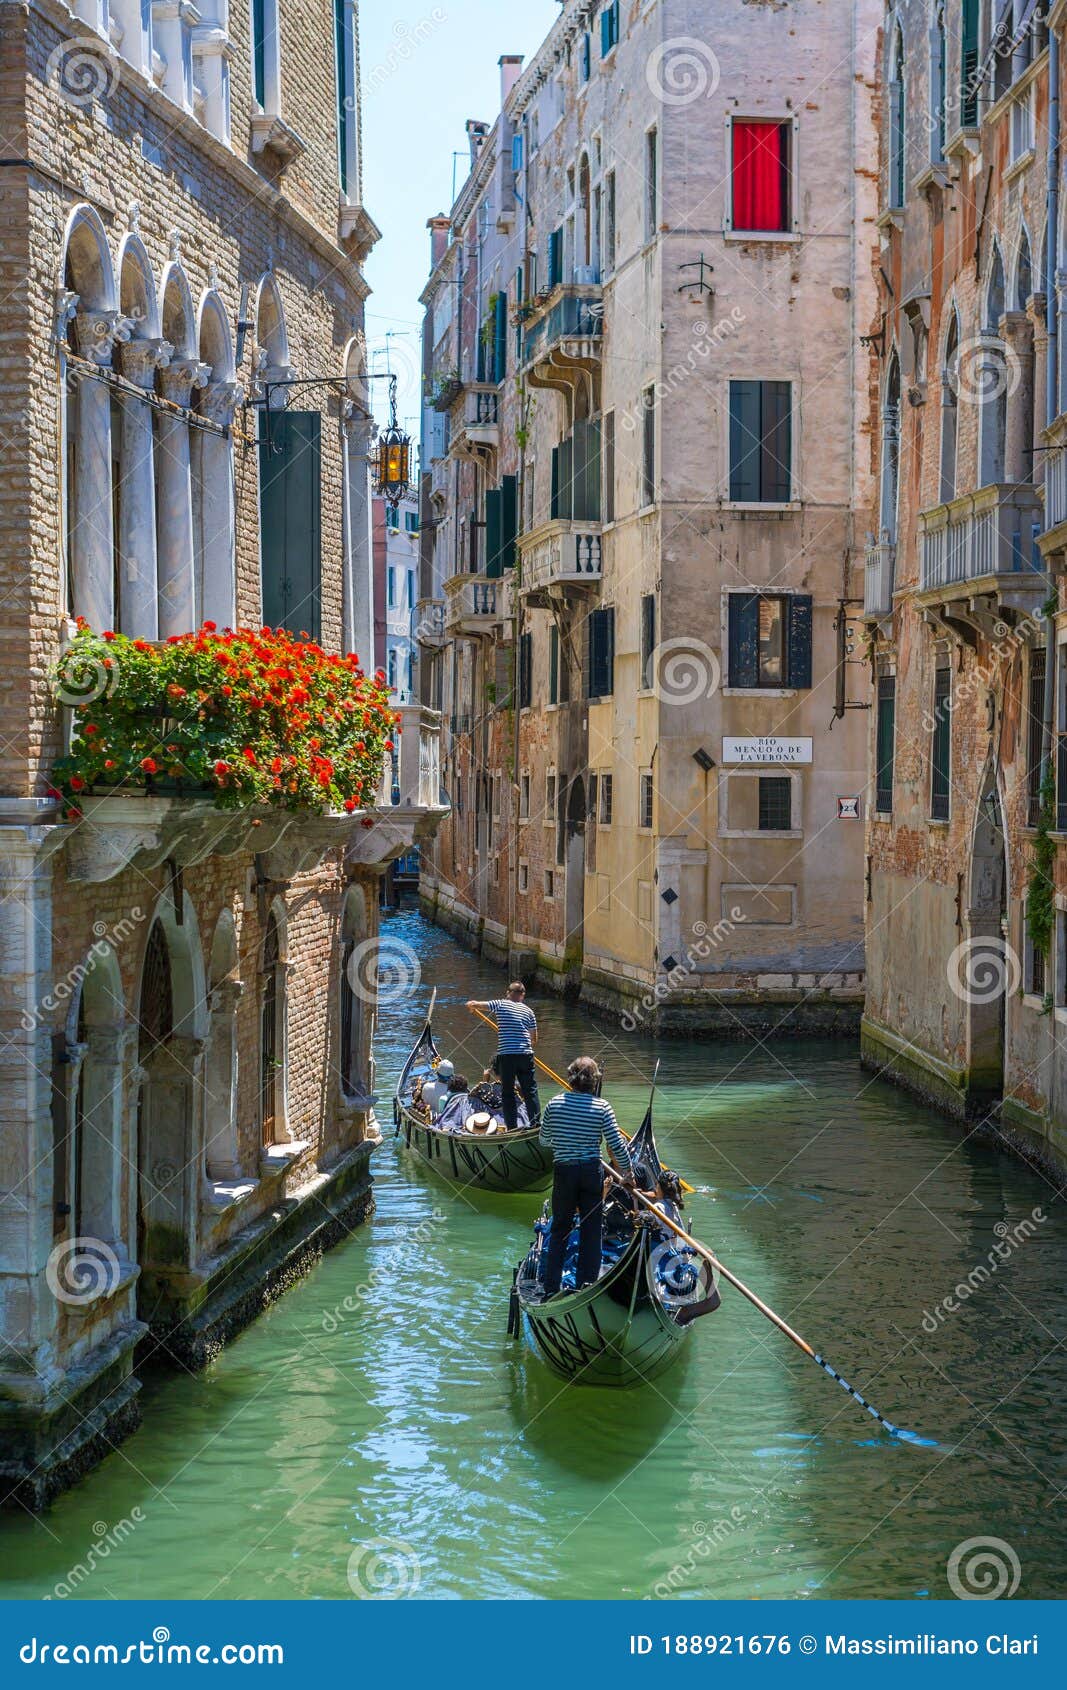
[573,1125]
[516,1024]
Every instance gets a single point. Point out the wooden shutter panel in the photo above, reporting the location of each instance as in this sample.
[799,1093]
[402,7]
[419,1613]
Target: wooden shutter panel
[609,650]
[290,502]
[553,665]
[500,349]
[566,479]
[509,520]
[493,532]
[744,639]
[555,483]
[555,258]
[600,679]
[800,624]
[605,32]
[777,430]
[745,428]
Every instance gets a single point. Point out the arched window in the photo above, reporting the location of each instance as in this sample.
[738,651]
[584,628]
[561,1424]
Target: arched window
[136,608]
[356,980]
[1024,273]
[949,407]
[222,1153]
[214,517]
[897,123]
[990,381]
[174,530]
[89,317]
[272,1035]
[890,479]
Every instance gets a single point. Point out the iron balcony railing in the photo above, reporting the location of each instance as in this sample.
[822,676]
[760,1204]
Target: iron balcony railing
[570,315]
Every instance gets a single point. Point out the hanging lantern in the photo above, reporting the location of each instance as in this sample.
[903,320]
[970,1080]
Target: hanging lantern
[393,458]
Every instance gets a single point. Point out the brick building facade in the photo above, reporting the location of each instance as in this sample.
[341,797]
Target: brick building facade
[968,993]
[186,1081]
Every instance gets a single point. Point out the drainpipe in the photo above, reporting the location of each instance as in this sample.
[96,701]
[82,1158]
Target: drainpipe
[1052,365]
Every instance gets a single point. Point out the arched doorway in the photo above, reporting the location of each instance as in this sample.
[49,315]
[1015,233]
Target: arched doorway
[574,854]
[987,968]
[171,1047]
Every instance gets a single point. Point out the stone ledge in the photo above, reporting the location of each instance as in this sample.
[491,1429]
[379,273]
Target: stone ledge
[191,1325]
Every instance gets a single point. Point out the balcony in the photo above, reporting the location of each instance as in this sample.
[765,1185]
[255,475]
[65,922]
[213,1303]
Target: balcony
[428,623]
[562,342]
[471,605]
[560,561]
[476,432]
[980,554]
[880,563]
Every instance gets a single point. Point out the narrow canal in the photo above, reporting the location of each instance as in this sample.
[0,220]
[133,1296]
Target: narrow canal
[381,1399]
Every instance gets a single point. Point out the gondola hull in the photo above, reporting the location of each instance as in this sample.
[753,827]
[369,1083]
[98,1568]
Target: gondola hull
[614,1333]
[501,1162]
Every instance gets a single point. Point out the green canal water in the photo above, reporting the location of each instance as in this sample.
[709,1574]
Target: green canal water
[382,1400]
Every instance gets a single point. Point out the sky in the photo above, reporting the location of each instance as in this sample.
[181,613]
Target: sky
[428,65]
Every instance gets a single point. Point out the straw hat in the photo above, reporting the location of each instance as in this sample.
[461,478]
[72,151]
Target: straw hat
[479,1123]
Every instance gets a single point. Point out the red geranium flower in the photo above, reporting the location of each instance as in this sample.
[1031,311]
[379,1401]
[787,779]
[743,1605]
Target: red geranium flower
[149,765]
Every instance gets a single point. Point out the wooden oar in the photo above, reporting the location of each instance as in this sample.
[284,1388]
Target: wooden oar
[764,1309]
[560,1081]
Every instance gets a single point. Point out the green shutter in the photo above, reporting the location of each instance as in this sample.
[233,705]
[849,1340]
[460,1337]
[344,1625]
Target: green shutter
[344,114]
[290,508]
[777,433]
[555,258]
[799,638]
[565,499]
[500,348]
[553,664]
[743,638]
[586,462]
[493,563]
[555,483]
[509,520]
[259,52]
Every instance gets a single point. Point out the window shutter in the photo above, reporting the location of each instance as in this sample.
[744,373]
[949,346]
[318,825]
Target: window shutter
[586,459]
[744,639]
[566,479]
[555,483]
[648,638]
[509,520]
[600,679]
[500,349]
[555,258]
[587,57]
[290,498]
[553,665]
[776,476]
[605,32]
[493,532]
[608,501]
[525,671]
[799,640]
[745,441]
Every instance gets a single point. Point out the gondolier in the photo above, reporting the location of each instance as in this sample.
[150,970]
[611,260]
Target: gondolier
[575,1125]
[516,1026]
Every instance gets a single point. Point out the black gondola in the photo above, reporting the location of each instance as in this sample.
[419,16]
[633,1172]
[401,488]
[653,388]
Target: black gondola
[501,1161]
[631,1324]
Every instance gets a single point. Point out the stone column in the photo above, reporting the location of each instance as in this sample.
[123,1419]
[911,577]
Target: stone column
[1037,311]
[174,500]
[1018,374]
[220,1083]
[104,1156]
[138,614]
[92,536]
[1061,339]
[216,535]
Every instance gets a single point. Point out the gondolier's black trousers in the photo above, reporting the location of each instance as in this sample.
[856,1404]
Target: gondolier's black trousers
[521,1068]
[575,1186]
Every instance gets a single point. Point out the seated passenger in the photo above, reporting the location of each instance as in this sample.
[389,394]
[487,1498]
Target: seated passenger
[456,1106]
